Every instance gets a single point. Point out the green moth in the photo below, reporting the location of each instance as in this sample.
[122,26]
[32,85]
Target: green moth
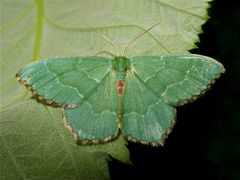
[101,97]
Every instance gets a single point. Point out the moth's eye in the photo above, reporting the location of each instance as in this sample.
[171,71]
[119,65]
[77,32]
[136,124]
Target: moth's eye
[127,69]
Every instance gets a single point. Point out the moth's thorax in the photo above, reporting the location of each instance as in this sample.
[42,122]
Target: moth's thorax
[120,66]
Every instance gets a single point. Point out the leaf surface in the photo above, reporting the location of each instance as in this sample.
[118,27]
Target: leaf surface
[40,147]
[34,142]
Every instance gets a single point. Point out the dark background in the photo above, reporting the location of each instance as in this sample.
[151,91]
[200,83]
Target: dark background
[205,142]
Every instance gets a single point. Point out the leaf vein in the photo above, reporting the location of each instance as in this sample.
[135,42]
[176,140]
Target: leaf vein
[13,159]
[61,137]
[179,9]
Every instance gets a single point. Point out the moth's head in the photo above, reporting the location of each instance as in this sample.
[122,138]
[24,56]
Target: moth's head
[121,64]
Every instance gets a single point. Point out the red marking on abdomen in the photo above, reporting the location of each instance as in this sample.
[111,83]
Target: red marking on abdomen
[120,85]
[120,91]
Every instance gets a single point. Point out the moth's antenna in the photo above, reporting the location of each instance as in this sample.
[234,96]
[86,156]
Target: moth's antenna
[106,52]
[131,41]
[104,37]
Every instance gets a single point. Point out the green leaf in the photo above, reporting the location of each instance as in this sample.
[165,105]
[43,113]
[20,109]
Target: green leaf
[41,147]
[34,142]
